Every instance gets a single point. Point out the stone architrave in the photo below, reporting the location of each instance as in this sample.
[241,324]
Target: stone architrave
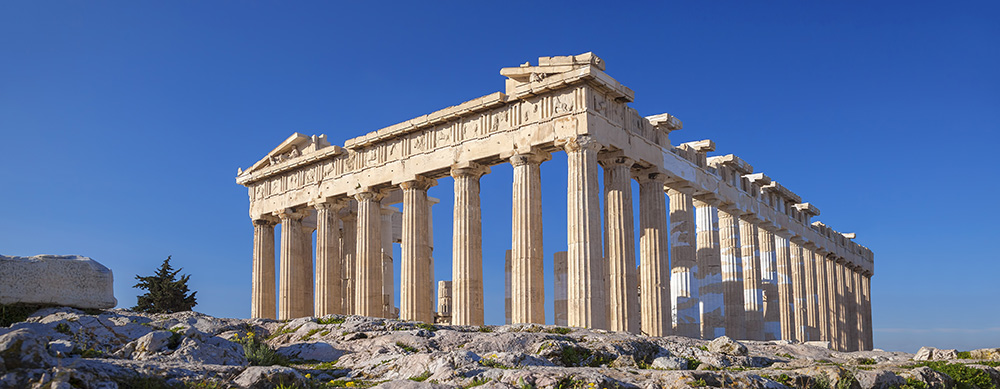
[799,289]
[732,272]
[329,262]
[67,280]
[753,292]
[786,295]
[368,298]
[709,268]
[527,257]
[467,247]
[262,292]
[348,243]
[683,265]
[623,296]
[654,269]
[585,297]
[769,282]
[290,303]
[560,287]
[414,298]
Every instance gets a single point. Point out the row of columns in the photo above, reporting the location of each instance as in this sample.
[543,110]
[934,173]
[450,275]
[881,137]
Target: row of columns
[727,272]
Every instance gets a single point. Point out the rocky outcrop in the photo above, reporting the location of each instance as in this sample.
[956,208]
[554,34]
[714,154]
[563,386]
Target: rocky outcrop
[67,280]
[64,347]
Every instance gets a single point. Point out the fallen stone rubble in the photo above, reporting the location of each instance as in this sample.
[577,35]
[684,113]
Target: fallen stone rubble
[66,348]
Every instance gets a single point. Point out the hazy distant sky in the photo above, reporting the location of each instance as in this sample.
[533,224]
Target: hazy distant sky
[122,124]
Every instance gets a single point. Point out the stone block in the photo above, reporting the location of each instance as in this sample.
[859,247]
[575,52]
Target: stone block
[67,280]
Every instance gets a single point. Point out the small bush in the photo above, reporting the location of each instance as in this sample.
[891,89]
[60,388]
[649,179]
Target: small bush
[407,348]
[330,320]
[964,355]
[420,378]
[866,361]
[559,330]
[699,383]
[477,382]
[63,328]
[259,353]
[485,329]
[16,313]
[965,377]
[428,327]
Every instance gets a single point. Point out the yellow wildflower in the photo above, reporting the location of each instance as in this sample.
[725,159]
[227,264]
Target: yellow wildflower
[308,375]
[349,384]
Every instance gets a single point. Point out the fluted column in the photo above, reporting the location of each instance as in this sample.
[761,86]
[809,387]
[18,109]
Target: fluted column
[619,238]
[560,287]
[654,272]
[769,283]
[822,310]
[527,304]
[415,300]
[812,306]
[290,304]
[329,264]
[831,291]
[262,288]
[786,296]
[388,278]
[445,307]
[799,289]
[752,291]
[868,342]
[683,265]
[709,268]
[732,272]
[842,289]
[304,267]
[586,304]
[467,247]
[368,297]
[858,311]
[348,244]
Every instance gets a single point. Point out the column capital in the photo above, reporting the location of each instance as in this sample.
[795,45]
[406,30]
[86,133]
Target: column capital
[332,203]
[469,169]
[810,245]
[651,175]
[419,183]
[368,194]
[707,200]
[265,220]
[797,240]
[784,233]
[679,187]
[731,209]
[609,159]
[822,251]
[290,214]
[766,225]
[579,143]
[751,217]
[532,157]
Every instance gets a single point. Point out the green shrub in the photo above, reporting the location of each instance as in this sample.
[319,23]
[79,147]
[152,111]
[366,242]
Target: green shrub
[259,353]
[964,355]
[420,378]
[428,327]
[407,348]
[866,361]
[559,330]
[63,328]
[16,313]
[477,382]
[330,320]
[965,377]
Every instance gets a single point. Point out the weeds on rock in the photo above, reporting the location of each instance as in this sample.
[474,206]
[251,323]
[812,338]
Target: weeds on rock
[330,320]
[559,330]
[283,330]
[493,363]
[965,377]
[16,313]
[63,328]
[259,353]
[699,383]
[912,383]
[693,363]
[485,329]
[421,377]
[866,361]
[784,355]
[477,382]
[407,348]
[428,327]
[964,355]
[309,334]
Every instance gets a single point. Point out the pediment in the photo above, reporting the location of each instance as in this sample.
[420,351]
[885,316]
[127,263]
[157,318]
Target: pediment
[296,146]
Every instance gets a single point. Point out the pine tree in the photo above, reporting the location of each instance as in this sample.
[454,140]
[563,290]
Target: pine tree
[166,294]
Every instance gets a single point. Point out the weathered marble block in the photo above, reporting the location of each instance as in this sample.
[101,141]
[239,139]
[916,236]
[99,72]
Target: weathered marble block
[68,280]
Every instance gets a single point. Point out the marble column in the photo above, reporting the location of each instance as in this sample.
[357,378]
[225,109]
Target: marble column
[304,266]
[329,263]
[262,288]
[799,288]
[560,287]
[842,289]
[388,278]
[732,272]
[831,291]
[858,311]
[527,277]
[868,342]
[769,282]
[415,301]
[586,295]
[809,277]
[654,269]
[623,296]
[786,296]
[368,298]
[822,310]
[709,268]
[753,294]
[348,243]
[467,246]
[506,287]
[683,265]
[445,302]
[290,304]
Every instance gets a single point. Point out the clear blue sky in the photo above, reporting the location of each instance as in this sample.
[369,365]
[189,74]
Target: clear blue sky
[122,124]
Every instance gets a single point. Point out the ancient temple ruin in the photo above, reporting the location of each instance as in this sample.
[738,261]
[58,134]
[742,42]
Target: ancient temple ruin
[744,259]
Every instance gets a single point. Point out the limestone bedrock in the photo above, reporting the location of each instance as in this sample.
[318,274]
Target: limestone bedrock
[66,280]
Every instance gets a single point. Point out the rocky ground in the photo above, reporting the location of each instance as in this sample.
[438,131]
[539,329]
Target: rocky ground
[67,348]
